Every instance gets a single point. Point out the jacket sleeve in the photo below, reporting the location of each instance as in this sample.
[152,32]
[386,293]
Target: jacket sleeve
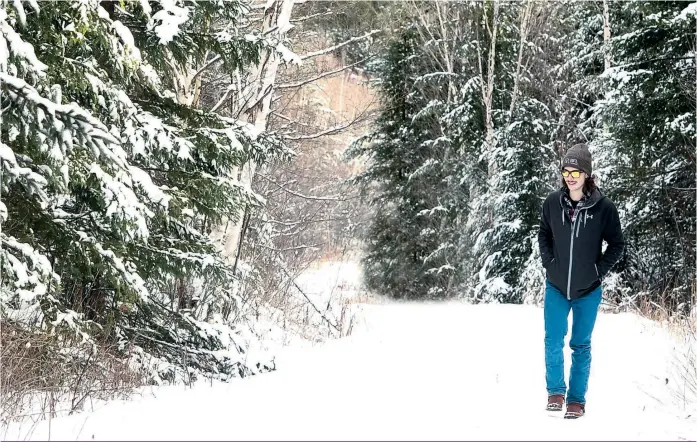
[545,239]
[612,234]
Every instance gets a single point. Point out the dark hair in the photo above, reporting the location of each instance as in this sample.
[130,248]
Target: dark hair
[588,185]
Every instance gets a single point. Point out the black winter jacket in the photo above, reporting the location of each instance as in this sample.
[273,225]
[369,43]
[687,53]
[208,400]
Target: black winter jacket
[571,250]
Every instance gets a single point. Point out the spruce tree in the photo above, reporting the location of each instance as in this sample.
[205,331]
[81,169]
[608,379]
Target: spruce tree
[110,182]
[408,256]
[649,114]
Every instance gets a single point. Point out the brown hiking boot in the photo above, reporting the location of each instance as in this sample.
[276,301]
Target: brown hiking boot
[555,402]
[574,410]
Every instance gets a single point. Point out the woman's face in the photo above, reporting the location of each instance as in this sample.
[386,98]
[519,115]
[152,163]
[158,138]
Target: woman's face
[574,178]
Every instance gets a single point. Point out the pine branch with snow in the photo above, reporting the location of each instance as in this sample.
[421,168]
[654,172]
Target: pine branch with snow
[110,182]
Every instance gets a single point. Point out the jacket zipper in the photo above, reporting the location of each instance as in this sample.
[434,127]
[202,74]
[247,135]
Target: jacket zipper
[571,257]
[571,248]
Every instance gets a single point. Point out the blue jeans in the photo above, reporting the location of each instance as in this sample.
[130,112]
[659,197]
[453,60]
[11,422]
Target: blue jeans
[556,312]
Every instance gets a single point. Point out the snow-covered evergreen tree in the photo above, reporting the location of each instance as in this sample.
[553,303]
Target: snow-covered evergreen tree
[410,252]
[648,114]
[496,217]
[491,122]
[110,181]
[540,72]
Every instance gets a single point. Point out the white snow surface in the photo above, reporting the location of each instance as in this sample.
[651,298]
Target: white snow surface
[415,371]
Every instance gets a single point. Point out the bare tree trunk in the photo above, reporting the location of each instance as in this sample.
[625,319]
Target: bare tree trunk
[245,225]
[606,51]
[443,58]
[606,34]
[488,102]
[255,104]
[187,83]
[488,85]
[447,54]
[276,15]
[525,14]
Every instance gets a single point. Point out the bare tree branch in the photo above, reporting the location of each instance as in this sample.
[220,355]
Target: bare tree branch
[224,98]
[340,45]
[260,98]
[309,300]
[310,17]
[283,117]
[208,64]
[332,130]
[320,76]
[308,221]
[300,195]
[288,249]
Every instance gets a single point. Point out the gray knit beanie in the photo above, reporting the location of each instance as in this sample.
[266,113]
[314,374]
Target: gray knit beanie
[579,157]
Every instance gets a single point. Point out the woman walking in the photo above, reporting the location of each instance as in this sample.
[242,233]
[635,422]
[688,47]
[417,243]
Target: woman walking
[575,220]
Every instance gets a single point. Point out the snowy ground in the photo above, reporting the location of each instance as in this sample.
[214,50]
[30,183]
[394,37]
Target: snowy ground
[415,372]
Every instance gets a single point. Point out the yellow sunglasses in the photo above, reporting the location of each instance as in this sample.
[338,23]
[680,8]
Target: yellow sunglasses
[574,173]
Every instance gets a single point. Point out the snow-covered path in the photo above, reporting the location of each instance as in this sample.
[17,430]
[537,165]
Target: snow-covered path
[416,372]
